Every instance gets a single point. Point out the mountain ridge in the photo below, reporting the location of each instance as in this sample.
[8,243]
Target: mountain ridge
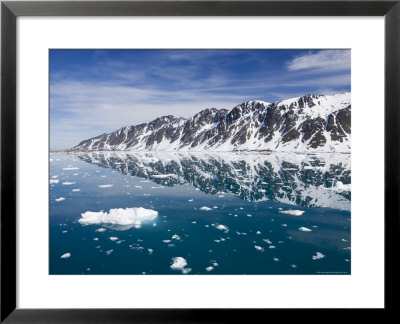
[317,123]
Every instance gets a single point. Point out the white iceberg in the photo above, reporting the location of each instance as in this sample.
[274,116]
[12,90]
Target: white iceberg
[105,186]
[259,248]
[76,190]
[68,183]
[113,238]
[318,255]
[178,263]
[292,212]
[65,256]
[304,229]
[52,181]
[60,199]
[205,208]
[119,216]
[70,168]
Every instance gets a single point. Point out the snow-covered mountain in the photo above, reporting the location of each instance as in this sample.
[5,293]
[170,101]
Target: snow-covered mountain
[309,123]
[306,180]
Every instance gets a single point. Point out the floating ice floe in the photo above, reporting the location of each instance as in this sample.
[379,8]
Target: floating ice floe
[150,251]
[221,227]
[166,241]
[52,181]
[105,186]
[258,232]
[292,212]
[59,199]
[100,230]
[76,190]
[119,216]
[70,168]
[259,248]
[68,183]
[109,252]
[65,256]
[96,239]
[113,238]
[304,229]
[267,241]
[276,259]
[190,200]
[179,263]
[318,255]
[54,176]
[272,247]
[210,268]
[176,237]
[64,232]
[205,208]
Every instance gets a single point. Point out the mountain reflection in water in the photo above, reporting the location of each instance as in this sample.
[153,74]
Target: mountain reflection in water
[306,180]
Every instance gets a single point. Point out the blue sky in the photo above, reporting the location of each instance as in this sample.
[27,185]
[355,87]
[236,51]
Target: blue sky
[98,91]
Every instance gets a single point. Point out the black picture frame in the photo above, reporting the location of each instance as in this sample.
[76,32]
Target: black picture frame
[10,10]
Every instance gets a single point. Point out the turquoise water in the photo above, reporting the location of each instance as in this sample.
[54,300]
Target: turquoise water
[245,193]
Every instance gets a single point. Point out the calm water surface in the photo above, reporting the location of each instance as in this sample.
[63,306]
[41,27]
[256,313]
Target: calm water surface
[194,194]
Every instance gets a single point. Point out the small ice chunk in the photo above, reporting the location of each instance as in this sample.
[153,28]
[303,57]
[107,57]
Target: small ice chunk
[205,208]
[249,215]
[304,229]
[76,190]
[64,232]
[96,239]
[65,256]
[52,181]
[54,176]
[113,238]
[272,247]
[176,237]
[210,268]
[293,266]
[318,255]
[186,270]
[105,186]
[70,168]
[100,230]
[276,259]
[178,263]
[258,232]
[222,228]
[150,251]
[166,241]
[259,248]
[68,183]
[108,252]
[292,212]
[60,199]
[190,200]
[267,241]
[215,207]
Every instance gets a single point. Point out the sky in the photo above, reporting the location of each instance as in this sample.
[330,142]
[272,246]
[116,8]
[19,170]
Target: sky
[99,91]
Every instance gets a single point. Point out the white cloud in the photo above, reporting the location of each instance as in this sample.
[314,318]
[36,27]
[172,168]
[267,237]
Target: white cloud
[322,61]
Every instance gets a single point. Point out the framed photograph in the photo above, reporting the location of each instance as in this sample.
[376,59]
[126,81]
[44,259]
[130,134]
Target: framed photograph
[185,161]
